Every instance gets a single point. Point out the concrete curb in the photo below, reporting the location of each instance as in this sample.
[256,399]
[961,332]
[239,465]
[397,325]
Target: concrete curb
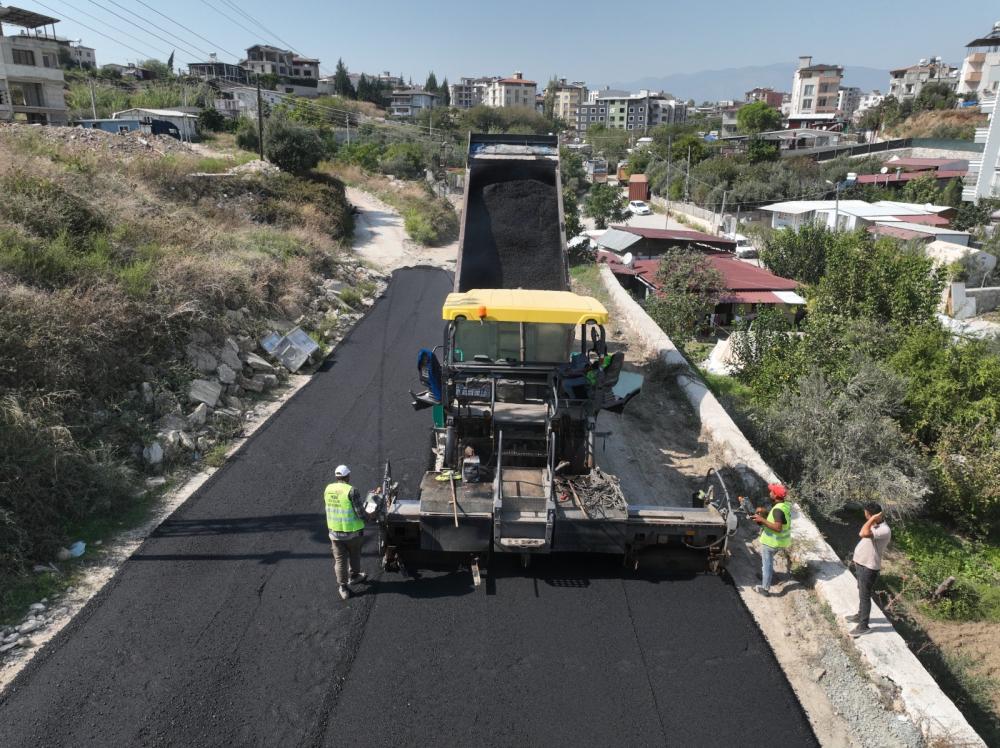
[884,649]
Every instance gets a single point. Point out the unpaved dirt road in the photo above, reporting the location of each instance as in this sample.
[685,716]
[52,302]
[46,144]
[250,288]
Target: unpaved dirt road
[379,237]
[225,627]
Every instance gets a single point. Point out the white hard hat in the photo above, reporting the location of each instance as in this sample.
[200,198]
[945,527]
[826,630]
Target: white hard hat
[342,471]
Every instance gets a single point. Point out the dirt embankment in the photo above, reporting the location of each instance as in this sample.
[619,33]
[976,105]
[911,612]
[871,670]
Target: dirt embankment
[133,296]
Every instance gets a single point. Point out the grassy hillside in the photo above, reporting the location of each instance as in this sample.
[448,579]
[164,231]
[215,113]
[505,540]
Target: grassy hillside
[948,124]
[114,261]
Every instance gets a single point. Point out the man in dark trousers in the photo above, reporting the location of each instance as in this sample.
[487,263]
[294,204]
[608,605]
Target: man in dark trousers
[775,533]
[875,535]
[345,520]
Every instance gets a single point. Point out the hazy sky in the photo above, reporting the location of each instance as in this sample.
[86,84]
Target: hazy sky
[598,42]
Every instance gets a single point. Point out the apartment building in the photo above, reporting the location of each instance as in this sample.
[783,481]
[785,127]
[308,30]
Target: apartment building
[80,55]
[980,75]
[31,81]
[848,100]
[768,95]
[907,83]
[408,102]
[628,111]
[868,101]
[298,75]
[468,92]
[515,91]
[569,97]
[815,90]
[983,177]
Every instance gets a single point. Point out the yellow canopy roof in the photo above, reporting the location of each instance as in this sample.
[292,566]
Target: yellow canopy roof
[519,305]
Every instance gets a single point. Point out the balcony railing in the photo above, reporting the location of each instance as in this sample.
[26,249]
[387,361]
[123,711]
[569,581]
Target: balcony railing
[976,58]
[31,73]
[973,76]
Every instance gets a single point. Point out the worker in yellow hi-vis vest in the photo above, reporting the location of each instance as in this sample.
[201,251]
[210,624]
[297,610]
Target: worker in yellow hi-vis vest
[775,533]
[345,519]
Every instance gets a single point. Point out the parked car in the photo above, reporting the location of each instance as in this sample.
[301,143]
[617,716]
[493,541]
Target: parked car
[639,208]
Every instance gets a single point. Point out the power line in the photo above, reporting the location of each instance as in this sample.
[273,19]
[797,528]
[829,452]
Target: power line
[142,54]
[190,31]
[155,26]
[151,33]
[228,18]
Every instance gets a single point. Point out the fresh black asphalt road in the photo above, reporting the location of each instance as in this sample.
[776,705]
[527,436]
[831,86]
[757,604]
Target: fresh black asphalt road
[225,628]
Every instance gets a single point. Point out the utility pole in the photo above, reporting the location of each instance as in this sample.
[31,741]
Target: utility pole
[670,161]
[260,121]
[184,120]
[687,178]
[722,213]
[93,99]
[347,119]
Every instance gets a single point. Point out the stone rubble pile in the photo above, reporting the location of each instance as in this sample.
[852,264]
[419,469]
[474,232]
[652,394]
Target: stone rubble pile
[78,139]
[39,616]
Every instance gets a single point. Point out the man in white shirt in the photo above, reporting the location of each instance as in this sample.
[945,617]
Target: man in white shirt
[875,535]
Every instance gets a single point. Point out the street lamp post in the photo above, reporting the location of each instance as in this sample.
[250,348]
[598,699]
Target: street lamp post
[848,181]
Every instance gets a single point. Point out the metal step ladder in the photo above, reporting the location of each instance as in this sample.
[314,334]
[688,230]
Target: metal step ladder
[523,506]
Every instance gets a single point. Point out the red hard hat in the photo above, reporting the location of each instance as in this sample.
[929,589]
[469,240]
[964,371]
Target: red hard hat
[777,490]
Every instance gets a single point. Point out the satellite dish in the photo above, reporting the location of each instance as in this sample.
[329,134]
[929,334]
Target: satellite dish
[884,170]
[627,259]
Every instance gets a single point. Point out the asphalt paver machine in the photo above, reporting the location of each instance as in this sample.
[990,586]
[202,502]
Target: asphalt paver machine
[515,388]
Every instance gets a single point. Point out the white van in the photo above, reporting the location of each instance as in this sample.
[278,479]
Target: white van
[745,249]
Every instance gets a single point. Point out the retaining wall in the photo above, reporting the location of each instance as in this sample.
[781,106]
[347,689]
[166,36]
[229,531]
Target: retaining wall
[883,649]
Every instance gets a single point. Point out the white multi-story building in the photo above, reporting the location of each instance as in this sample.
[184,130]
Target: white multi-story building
[980,76]
[31,81]
[815,89]
[983,177]
[468,92]
[515,91]
[868,101]
[907,83]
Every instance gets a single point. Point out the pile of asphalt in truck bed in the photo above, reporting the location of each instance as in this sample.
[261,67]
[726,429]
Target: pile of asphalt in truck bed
[512,237]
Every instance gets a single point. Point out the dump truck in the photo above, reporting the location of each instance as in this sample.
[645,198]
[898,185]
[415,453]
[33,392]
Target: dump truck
[515,388]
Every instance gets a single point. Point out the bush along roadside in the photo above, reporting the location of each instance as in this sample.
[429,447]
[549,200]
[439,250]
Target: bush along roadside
[133,299]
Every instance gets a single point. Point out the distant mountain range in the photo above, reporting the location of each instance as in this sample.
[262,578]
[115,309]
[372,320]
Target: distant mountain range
[732,83]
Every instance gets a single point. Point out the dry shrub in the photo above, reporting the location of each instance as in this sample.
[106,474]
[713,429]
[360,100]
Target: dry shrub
[89,340]
[49,479]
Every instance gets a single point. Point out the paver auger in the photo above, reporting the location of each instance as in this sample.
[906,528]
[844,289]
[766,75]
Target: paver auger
[516,387]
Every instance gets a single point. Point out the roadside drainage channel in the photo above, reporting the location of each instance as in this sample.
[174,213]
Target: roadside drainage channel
[884,650]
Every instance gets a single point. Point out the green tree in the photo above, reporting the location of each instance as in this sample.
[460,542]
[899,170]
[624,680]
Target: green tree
[610,142]
[951,195]
[211,120]
[605,204]
[157,69]
[445,92]
[878,279]
[689,289]
[291,146]
[935,95]
[844,445]
[800,255]
[247,136]
[403,160]
[571,213]
[757,117]
[574,176]
[431,84]
[922,190]
[342,82]
[761,151]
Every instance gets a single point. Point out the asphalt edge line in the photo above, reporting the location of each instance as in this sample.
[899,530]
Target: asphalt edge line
[884,650]
[103,575]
